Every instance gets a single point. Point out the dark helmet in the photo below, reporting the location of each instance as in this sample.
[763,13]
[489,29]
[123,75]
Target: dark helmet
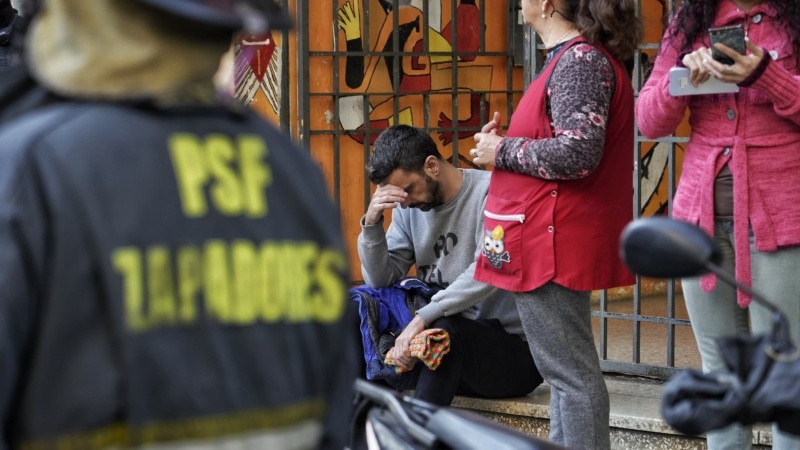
[248,15]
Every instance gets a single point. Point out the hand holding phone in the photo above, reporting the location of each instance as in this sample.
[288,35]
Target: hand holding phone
[732,36]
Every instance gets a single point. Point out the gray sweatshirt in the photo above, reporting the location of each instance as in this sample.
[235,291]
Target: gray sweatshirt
[443,243]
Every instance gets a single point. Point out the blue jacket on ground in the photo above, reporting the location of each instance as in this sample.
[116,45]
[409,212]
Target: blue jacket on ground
[384,312]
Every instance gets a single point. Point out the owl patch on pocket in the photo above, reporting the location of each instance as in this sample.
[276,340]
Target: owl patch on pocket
[494,248]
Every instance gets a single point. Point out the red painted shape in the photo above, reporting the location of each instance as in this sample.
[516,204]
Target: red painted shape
[468,21]
[256,51]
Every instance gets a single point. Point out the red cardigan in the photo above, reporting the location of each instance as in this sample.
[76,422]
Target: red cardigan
[754,131]
[567,232]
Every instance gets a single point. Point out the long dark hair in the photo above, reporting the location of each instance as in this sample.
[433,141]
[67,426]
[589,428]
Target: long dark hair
[694,17]
[611,23]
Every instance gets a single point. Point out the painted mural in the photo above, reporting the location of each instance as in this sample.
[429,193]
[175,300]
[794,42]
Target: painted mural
[369,71]
[399,82]
[444,65]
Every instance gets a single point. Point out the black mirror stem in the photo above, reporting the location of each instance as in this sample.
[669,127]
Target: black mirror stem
[728,278]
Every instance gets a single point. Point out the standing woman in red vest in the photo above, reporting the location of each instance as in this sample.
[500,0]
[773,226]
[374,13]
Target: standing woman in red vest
[560,194]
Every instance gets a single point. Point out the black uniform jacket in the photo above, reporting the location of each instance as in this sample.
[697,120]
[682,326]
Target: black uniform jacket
[166,275]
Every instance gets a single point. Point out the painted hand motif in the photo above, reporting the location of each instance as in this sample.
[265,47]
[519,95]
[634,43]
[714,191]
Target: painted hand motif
[350,20]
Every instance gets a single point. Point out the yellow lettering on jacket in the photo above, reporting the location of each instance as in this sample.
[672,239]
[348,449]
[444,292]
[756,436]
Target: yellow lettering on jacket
[128,263]
[255,174]
[245,267]
[189,282]
[233,174]
[188,159]
[327,299]
[160,287]
[217,280]
[237,283]
[269,294]
[298,270]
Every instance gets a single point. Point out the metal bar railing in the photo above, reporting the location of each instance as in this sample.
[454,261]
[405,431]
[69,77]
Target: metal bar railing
[606,312]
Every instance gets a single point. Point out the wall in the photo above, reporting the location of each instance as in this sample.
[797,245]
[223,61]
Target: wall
[439,65]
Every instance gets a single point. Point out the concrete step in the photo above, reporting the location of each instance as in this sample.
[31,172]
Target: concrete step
[636,421]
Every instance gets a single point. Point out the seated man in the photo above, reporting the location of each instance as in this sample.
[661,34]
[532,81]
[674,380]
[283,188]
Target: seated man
[438,229]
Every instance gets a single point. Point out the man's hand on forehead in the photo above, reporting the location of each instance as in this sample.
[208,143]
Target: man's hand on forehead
[386,196]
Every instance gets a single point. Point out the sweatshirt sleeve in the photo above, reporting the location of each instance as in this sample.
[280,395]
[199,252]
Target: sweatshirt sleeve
[386,256]
[658,113]
[464,292]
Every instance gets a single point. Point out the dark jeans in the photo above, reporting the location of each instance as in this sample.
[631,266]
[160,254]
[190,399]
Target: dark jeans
[483,361]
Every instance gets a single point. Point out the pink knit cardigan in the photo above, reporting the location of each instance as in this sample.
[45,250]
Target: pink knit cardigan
[756,130]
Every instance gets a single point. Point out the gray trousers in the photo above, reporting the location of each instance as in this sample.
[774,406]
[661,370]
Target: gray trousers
[557,324]
[715,314]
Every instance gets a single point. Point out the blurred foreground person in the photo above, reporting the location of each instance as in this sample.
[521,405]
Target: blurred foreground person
[172,271]
[10,24]
[19,92]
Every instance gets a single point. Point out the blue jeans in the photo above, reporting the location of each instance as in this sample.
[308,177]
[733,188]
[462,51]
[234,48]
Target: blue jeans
[713,314]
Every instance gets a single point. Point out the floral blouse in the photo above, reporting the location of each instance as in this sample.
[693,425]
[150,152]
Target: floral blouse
[579,94]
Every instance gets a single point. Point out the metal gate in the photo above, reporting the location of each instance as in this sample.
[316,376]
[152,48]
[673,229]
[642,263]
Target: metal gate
[445,65]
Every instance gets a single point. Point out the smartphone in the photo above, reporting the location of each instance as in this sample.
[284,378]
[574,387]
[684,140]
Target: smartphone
[679,84]
[732,36]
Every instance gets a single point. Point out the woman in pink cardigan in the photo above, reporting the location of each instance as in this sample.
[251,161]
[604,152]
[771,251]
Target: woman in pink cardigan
[741,169]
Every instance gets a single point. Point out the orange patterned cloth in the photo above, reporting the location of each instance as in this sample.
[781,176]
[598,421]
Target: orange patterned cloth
[429,347]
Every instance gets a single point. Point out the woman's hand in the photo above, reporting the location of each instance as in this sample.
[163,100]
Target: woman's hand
[486,142]
[742,67]
[695,62]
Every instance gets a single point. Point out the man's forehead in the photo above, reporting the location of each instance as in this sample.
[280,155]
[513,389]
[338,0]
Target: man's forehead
[401,178]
